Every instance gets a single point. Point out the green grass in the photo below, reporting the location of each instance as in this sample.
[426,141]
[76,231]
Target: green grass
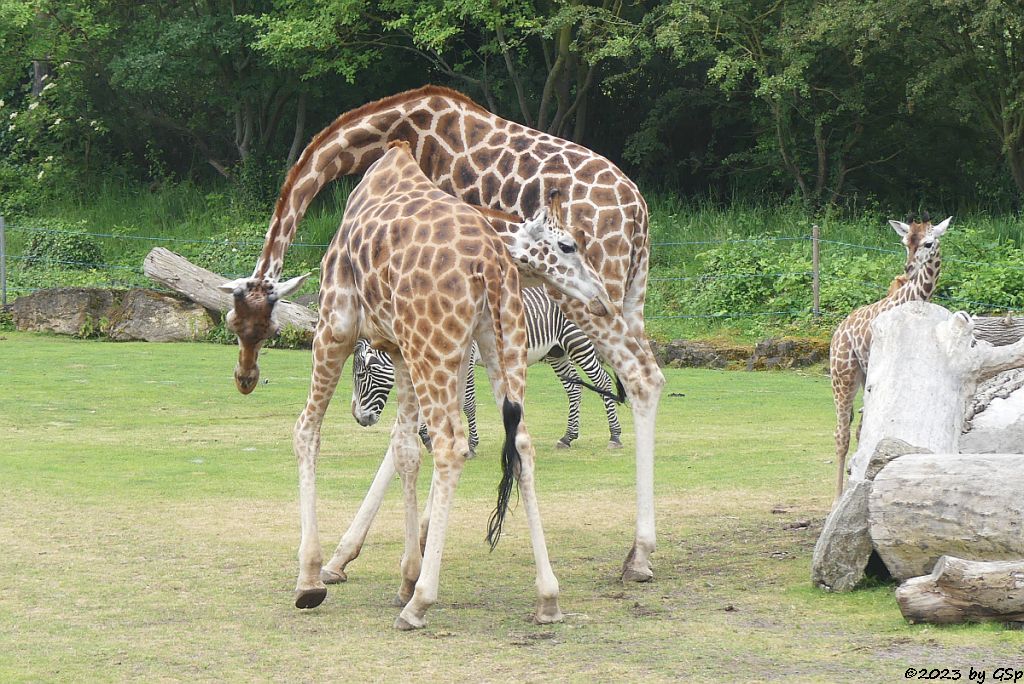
[149,519]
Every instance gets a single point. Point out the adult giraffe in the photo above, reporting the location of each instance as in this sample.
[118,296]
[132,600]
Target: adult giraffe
[488,161]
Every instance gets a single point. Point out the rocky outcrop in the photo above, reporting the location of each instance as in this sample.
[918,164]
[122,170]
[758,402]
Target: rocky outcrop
[775,353]
[65,310]
[119,314]
[156,317]
[693,354]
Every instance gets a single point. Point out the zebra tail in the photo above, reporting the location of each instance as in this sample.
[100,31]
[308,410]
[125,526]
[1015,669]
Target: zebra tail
[619,396]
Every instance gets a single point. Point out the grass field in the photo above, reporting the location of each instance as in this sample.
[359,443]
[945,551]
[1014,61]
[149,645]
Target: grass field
[148,514]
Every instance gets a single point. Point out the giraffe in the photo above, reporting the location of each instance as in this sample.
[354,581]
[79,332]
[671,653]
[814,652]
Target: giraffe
[490,162]
[422,275]
[851,341]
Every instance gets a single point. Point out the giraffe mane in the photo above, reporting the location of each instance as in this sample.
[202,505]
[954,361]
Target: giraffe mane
[497,214]
[359,112]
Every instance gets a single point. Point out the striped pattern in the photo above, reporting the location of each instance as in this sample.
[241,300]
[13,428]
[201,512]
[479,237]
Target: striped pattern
[551,338]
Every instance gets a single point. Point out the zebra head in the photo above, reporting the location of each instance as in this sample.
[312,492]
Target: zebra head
[373,375]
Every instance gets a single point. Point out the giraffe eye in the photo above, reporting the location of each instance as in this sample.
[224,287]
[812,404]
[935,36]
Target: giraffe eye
[929,244]
[567,248]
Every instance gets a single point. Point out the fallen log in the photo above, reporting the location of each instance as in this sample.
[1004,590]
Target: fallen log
[959,590]
[998,330]
[202,286]
[924,506]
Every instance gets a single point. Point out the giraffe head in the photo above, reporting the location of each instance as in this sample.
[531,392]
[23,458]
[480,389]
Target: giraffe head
[921,240]
[252,318]
[543,248]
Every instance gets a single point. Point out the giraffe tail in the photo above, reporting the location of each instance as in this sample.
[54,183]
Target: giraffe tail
[512,415]
[502,302]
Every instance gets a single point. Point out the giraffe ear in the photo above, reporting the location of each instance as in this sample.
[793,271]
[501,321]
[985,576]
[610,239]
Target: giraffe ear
[287,287]
[235,287]
[941,228]
[900,227]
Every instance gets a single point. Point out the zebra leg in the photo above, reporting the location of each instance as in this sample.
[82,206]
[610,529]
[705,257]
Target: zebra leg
[581,351]
[566,374]
[469,408]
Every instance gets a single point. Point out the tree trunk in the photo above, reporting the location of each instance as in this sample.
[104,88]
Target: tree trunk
[998,330]
[924,506]
[941,375]
[202,287]
[965,591]
[299,137]
[40,71]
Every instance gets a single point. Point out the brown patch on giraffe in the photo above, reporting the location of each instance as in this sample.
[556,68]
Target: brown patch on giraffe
[575,158]
[490,185]
[463,175]
[509,193]
[476,131]
[528,167]
[498,139]
[506,162]
[433,157]
[448,130]
[407,132]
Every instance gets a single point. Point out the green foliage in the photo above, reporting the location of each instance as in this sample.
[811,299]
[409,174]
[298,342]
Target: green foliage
[6,320]
[63,246]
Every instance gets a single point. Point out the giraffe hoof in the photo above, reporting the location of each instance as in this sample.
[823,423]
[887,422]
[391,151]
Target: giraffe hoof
[634,575]
[547,612]
[331,577]
[310,598]
[399,602]
[408,624]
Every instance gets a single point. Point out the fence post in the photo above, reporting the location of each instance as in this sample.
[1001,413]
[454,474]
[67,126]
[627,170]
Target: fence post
[816,268]
[3,263]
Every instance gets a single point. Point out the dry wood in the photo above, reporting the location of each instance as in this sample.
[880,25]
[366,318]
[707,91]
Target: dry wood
[960,590]
[924,506]
[925,365]
[998,330]
[201,286]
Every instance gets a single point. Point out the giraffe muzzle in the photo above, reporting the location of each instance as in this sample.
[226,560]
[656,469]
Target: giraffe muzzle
[246,379]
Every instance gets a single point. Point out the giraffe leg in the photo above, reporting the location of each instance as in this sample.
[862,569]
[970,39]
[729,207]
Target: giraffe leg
[440,408]
[634,362]
[846,380]
[547,609]
[329,353]
[407,461]
[566,373]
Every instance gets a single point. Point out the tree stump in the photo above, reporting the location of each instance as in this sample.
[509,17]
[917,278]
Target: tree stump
[960,590]
[202,286]
[923,506]
[925,366]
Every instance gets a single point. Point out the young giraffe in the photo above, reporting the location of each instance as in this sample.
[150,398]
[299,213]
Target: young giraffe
[851,342]
[488,161]
[422,275]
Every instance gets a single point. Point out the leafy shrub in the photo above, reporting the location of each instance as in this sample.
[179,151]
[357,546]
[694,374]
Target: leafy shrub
[69,247]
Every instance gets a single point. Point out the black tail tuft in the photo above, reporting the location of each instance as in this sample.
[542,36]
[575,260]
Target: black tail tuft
[511,414]
[620,392]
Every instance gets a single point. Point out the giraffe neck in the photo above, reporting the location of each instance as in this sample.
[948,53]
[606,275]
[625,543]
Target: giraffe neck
[922,285]
[349,145]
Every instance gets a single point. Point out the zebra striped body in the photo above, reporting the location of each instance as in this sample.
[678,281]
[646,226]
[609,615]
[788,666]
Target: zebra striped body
[551,338]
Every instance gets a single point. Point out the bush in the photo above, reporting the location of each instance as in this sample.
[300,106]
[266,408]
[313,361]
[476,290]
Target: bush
[68,247]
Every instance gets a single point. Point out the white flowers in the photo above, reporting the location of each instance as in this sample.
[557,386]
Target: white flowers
[48,86]
[14,115]
[57,121]
[49,158]
[32,105]
[2,104]
[40,176]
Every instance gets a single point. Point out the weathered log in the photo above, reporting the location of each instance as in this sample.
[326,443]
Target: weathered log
[998,330]
[925,364]
[924,506]
[960,590]
[201,286]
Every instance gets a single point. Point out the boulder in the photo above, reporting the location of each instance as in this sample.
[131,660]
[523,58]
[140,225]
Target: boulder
[787,352]
[65,310]
[692,354]
[119,314]
[156,317]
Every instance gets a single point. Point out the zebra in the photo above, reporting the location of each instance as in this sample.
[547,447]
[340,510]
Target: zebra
[551,338]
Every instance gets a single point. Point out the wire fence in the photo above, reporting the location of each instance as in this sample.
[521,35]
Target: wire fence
[20,271]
